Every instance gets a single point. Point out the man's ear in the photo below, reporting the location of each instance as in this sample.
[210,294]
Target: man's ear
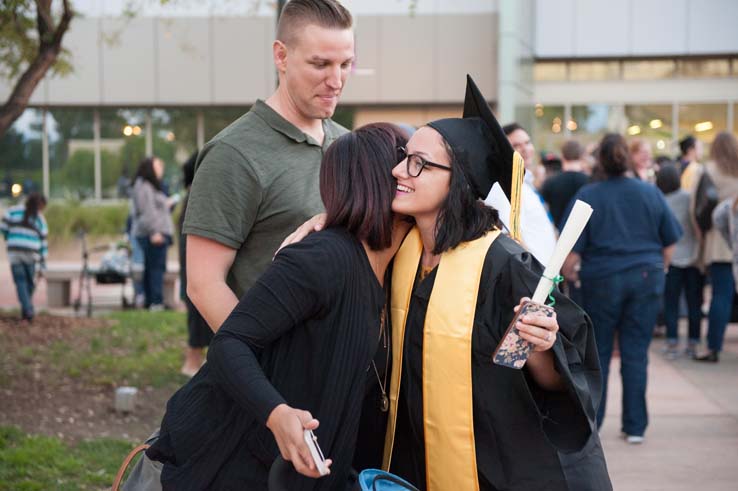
[279,51]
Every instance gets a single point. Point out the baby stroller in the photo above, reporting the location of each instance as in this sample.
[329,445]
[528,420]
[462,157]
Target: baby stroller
[115,268]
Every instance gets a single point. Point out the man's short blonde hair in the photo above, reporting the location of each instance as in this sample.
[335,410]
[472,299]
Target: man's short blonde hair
[297,14]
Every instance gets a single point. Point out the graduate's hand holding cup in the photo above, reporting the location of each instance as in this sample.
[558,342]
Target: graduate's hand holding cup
[537,328]
[288,426]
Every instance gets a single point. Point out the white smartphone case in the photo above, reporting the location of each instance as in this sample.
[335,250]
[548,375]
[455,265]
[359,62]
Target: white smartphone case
[312,442]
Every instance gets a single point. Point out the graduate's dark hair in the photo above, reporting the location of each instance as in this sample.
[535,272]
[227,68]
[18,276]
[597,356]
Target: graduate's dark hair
[613,155]
[462,217]
[667,179]
[146,172]
[356,183]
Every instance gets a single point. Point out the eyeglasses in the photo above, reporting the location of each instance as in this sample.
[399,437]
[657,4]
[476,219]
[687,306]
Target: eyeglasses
[416,163]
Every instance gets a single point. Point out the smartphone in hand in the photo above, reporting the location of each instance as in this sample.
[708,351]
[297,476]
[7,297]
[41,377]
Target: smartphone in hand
[312,442]
[513,350]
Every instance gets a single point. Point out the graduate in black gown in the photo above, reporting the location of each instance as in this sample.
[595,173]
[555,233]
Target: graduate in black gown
[299,347]
[457,420]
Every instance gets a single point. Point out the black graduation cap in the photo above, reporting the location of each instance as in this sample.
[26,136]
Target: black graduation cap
[479,139]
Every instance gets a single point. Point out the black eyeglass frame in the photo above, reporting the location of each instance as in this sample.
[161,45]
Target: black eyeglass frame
[423,162]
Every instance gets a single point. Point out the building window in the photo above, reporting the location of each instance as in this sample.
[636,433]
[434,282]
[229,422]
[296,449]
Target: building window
[548,129]
[122,147]
[703,121]
[707,68]
[217,118]
[71,153]
[20,156]
[649,69]
[594,70]
[652,123]
[549,71]
[589,123]
[174,140]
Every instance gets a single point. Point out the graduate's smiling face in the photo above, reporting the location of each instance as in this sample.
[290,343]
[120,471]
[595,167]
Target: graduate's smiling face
[424,194]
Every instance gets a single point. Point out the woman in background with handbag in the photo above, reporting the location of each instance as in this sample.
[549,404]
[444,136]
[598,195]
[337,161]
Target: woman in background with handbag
[722,170]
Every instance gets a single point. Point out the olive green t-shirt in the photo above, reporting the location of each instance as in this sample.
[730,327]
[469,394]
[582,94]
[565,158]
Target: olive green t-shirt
[255,183]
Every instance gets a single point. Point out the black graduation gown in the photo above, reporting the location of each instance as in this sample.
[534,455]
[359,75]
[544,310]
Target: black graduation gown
[526,438]
[304,335]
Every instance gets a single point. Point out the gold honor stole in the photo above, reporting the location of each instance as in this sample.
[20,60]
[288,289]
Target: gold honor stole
[447,350]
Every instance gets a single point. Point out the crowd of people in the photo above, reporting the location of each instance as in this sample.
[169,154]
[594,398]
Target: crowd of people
[374,326]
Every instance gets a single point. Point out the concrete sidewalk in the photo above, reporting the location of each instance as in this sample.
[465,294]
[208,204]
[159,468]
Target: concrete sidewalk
[692,439]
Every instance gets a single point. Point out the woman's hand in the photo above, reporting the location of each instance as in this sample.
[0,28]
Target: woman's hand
[157,238]
[288,425]
[315,224]
[537,329]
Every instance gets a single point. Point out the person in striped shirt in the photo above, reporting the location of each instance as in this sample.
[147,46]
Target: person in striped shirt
[25,230]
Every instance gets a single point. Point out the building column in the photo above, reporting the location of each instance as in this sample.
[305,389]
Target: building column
[675,126]
[45,153]
[149,134]
[98,154]
[514,50]
[200,130]
[731,117]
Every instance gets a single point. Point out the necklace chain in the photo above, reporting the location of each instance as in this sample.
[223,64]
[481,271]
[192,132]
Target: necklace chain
[383,384]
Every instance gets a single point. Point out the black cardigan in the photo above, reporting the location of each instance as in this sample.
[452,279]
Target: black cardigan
[304,335]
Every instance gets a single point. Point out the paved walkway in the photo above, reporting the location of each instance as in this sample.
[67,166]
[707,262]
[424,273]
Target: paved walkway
[692,440]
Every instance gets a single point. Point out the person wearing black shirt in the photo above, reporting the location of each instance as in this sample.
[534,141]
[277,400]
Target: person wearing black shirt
[308,342]
[558,190]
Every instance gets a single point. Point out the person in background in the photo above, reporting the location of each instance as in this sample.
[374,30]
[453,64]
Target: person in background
[723,171]
[683,273]
[153,228]
[558,190]
[689,162]
[199,333]
[623,257]
[641,157]
[538,233]
[25,231]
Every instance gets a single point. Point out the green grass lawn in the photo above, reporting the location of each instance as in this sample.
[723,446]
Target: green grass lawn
[135,348]
[32,462]
[138,348]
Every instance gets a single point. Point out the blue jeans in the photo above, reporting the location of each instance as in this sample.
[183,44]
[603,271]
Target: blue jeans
[23,277]
[137,261]
[721,305]
[690,280]
[625,303]
[155,264]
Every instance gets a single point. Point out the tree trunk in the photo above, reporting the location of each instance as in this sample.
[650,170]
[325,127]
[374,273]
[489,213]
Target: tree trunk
[24,88]
[49,48]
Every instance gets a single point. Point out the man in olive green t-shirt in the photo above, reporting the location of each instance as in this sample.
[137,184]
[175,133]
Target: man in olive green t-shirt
[257,180]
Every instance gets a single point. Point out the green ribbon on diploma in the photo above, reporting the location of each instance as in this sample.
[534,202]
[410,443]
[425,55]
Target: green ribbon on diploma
[554,282]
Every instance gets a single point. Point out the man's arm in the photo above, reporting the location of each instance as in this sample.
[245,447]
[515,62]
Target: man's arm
[208,263]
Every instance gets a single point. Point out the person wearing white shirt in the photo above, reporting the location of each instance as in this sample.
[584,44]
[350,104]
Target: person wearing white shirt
[536,229]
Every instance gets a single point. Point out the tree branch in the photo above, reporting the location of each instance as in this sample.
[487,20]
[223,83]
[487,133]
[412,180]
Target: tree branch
[44,21]
[48,52]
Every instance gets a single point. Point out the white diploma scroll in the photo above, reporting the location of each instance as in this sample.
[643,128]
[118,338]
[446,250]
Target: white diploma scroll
[578,218]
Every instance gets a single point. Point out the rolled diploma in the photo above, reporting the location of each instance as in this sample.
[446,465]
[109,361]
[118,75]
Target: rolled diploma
[578,218]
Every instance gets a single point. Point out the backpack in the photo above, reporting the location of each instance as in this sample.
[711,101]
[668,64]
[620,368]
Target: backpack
[706,199]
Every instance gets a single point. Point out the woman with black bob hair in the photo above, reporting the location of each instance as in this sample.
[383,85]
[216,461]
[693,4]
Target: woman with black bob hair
[458,420]
[307,342]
